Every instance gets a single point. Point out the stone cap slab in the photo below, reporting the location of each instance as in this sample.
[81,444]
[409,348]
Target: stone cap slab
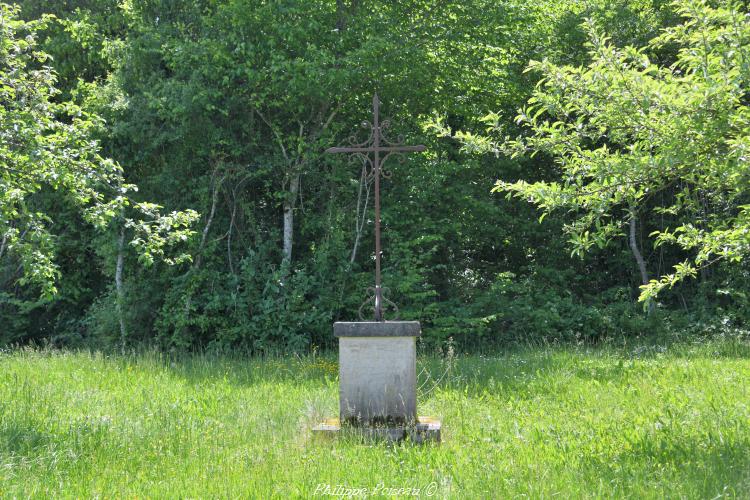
[377,329]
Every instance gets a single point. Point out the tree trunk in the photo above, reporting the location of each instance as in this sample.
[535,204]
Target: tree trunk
[289,204]
[119,288]
[209,221]
[2,245]
[637,254]
[204,236]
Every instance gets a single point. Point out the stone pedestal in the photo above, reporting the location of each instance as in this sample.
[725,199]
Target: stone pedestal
[378,383]
[377,371]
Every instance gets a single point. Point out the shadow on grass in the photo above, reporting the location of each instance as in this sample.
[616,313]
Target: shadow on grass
[248,372]
[512,370]
[509,370]
[29,437]
[523,368]
[22,438]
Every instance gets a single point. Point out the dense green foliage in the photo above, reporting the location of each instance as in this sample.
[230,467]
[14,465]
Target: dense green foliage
[644,421]
[633,137]
[225,107]
[49,146]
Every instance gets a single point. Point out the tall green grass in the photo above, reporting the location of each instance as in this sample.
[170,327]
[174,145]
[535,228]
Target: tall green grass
[635,422]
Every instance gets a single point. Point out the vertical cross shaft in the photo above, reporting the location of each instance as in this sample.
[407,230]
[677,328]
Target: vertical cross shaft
[376,143]
[363,151]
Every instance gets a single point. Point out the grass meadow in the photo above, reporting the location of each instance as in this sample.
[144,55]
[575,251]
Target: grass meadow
[632,421]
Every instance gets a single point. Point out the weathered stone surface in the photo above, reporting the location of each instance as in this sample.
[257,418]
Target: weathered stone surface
[377,379]
[426,430]
[377,329]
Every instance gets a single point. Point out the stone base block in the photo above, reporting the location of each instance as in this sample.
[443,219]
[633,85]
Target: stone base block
[426,430]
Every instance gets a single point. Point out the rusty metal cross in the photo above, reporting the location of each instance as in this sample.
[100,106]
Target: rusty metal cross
[376,144]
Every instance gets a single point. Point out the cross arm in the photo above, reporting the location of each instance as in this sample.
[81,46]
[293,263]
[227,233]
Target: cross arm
[386,149]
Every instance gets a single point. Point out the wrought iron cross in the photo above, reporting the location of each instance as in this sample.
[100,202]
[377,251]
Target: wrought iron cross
[376,143]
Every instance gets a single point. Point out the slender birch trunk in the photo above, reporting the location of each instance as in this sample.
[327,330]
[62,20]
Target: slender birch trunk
[289,204]
[119,287]
[637,254]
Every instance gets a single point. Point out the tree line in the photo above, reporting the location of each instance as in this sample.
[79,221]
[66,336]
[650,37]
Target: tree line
[164,183]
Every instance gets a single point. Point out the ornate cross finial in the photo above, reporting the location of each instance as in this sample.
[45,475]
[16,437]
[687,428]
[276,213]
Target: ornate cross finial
[377,143]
